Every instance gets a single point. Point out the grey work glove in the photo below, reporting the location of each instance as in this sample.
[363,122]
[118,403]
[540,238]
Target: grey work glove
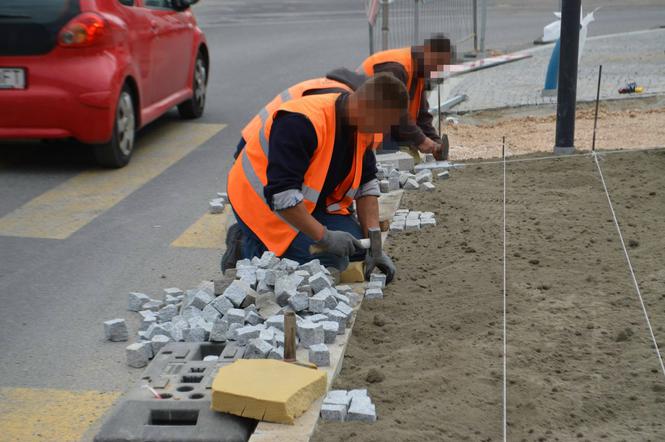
[382,262]
[338,243]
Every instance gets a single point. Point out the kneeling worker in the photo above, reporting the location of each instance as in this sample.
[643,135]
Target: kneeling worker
[297,189]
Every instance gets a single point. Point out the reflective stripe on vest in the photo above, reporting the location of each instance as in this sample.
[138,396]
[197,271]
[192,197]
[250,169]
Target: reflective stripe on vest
[403,57]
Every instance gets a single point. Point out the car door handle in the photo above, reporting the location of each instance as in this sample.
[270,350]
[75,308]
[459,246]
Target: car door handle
[153,26]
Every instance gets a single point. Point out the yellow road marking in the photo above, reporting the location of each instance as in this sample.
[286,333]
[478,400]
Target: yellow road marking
[45,414]
[61,211]
[208,232]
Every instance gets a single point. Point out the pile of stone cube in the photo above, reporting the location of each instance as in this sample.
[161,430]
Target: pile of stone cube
[406,220]
[393,179]
[216,205]
[246,308]
[343,405]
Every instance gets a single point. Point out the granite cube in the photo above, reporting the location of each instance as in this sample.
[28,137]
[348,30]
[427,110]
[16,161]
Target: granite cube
[116,330]
[257,349]
[319,355]
[138,354]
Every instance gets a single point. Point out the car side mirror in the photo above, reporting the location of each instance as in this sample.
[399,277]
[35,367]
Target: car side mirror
[182,5]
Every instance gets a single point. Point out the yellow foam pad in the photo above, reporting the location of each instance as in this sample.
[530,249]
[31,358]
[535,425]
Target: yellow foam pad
[355,272]
[267,389]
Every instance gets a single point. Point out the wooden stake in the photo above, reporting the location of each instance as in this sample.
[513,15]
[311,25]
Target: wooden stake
[289,336]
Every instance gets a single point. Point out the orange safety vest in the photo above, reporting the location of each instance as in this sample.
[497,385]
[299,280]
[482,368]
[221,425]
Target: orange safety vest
[402,56]
[292,93]
[248,175]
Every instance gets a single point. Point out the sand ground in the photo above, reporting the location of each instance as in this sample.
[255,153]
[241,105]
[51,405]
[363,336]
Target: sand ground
[622,124]
[580,361]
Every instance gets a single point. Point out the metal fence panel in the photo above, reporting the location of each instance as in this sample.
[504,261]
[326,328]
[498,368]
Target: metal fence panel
[399,23]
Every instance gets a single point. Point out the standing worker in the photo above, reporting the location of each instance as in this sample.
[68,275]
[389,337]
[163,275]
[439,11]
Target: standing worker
[413,66]
[297,189]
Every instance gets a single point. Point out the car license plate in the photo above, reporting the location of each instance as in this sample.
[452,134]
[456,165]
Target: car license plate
[12,78]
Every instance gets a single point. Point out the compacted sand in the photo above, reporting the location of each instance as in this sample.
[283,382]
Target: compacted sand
[580,363]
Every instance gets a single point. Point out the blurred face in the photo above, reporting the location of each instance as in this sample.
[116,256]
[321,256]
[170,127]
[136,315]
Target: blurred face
[435,61]
[376,119]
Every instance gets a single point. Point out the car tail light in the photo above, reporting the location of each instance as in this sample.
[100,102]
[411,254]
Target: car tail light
[84,30]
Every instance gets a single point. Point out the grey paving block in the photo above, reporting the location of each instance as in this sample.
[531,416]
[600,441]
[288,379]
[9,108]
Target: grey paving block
[288,265]
[384,186]
[429,222]
[374,285]
[243,263]
[246,333]
[231,333]
[154,305]
[337,397]
[312,267]
[173,291]
[247,275]
[180,324]
[276,353]
[210,313]
[201,299]
[276,321]
[411,184]
[354,299]
[299,302]
[319,355]
[136,301]
[443,175]
[268,260]
[286,286]
[138,354]
[235,316]
[167,313]
[219,329]
[195,334]
[412,225]
[339,317]
[401,212]
[346,309]
[253,318]
[310,333]
[341,297]
[257,349]
[216,206]
[317,318]
[222,304]
[393,183]
[361,409]
[147,321]
[237,292]
[427,187]
[426,215]
[380,277]
[116,330]
[397,227]
[330,331]
[165,329]
[317,303]
[424,176]
[171,300]
[374,293]
[268,335]
[158,342]
[319,281]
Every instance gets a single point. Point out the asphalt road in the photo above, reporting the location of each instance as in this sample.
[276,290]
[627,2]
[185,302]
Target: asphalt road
[55,293]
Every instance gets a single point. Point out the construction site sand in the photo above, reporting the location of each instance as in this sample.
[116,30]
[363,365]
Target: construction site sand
[622,124]
[580,359]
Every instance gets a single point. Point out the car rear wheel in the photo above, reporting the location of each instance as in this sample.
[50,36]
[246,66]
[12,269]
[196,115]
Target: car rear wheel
[193,108]
[117,152]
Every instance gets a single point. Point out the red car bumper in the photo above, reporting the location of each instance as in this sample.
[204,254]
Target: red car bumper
[66,95]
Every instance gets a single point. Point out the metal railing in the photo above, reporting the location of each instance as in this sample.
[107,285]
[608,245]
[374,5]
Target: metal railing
[399,23]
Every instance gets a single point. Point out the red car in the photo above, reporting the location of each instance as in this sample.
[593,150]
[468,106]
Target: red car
[98,70]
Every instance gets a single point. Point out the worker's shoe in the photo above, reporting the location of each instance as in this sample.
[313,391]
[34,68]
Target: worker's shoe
[233,247]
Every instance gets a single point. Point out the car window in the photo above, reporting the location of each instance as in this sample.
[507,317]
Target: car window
[127,2]
[37,11]
[157,4]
